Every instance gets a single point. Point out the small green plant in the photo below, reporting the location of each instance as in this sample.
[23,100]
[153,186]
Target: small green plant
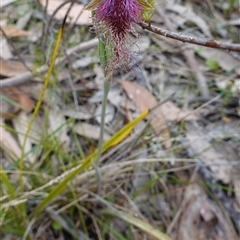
[212,64]
[56,225]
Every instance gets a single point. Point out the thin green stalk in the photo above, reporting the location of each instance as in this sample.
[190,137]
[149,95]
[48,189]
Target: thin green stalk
[104,54]
[39,103]
[107,85]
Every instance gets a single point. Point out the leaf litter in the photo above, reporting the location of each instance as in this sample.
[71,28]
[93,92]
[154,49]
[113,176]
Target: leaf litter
[11,68]
[76,14]
[181,174]
[165,112]
[12,31]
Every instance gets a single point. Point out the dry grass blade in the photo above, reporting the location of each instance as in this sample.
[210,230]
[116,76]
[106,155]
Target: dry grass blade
[9,144]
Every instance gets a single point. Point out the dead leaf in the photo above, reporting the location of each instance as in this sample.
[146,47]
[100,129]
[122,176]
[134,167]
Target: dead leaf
[12,31]
[80,113]
[24,20]
[11,68]
[236,184]
[109,114]
[4,3]
[20,124]
[217,163]
[145,100]
[26,102]
[8,143]
[5,52]
[13,99]
[115,97]
[201,218]
[76,15]
[140,178]
[175,114]
[100,76]
[58,126]
[166,112]
[89,131]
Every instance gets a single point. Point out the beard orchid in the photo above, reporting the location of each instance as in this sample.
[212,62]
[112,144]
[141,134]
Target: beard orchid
[113,21]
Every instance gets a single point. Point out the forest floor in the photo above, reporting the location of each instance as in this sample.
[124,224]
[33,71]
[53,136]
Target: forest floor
[173,175]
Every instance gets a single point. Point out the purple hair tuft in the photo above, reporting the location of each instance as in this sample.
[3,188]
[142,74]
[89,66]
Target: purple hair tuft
[118,16]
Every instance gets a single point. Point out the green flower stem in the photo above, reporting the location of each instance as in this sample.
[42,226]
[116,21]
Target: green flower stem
[103,57]
[107,85]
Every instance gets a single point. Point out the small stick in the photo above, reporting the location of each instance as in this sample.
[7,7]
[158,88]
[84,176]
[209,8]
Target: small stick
[194,40]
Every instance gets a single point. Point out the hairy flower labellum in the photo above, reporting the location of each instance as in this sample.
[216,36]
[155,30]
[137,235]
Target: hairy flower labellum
[114,19]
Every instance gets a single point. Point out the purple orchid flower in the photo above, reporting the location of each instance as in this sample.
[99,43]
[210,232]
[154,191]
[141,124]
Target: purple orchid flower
[114,19]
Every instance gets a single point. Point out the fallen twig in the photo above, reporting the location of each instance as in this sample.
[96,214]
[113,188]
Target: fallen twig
[194,40]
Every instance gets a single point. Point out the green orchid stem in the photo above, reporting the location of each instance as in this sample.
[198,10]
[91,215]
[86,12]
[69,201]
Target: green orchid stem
[104,54]
[107,85]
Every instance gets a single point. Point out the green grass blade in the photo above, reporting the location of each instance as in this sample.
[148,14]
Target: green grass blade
[146,227]
[20,209]
[10,101]
[6,181]
[111,230]
[39,102]
[87,162]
